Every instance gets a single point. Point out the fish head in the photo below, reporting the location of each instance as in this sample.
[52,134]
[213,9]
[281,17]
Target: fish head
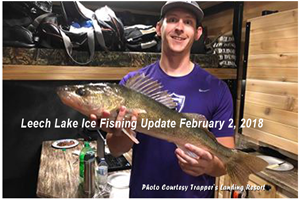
[91,98]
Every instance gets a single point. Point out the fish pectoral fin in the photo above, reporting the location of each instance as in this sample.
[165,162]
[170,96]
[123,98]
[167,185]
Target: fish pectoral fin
[136,111]
[130,112]
[187,152]
[131,135]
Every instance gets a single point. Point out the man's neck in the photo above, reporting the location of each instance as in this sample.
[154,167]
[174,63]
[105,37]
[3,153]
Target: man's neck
[176,64]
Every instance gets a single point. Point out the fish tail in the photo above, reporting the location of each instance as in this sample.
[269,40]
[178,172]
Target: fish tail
[240,165]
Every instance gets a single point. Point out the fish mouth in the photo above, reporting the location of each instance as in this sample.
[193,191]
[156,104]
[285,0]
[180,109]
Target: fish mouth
[62,90]
[69,98]
[64,93]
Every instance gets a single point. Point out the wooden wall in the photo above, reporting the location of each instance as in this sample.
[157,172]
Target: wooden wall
[218,24]
[272,80]
[262,86]
[221,23]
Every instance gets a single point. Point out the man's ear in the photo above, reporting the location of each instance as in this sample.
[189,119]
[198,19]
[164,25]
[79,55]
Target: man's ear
[158,28]
[198,33]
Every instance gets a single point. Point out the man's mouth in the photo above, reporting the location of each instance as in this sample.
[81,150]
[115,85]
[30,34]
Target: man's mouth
[178,38]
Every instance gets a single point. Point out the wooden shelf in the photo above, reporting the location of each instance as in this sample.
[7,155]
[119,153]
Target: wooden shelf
[33,72]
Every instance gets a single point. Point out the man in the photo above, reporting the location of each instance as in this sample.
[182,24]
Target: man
[159,168]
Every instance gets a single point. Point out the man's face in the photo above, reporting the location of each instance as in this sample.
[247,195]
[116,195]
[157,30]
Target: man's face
[178,31]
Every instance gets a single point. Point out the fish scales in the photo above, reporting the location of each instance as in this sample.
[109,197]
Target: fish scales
[89,99]
[156,111]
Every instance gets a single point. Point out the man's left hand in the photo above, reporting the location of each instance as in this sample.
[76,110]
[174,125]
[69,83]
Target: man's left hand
[195,166]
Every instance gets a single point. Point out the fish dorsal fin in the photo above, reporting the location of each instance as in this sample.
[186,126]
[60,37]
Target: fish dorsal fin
[153,89]
[202,118]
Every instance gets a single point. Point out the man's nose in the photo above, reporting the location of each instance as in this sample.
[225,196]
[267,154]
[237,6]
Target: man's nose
[180,25]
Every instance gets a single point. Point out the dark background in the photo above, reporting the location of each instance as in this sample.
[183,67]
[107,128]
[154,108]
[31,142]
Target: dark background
[31,100]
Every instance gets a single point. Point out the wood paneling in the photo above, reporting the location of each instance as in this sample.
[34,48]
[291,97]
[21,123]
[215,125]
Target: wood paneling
[275,128]
[289,45]
[273,74]
[287,103]
[272,80]
[270,113]
[271,139]
[255,182]
[280,60]
[289,30]
[273,87]
[219,23]
[254,9]
[275,20]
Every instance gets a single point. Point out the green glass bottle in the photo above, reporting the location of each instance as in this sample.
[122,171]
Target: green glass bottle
[83,151]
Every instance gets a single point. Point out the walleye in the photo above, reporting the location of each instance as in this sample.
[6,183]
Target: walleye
[142,94]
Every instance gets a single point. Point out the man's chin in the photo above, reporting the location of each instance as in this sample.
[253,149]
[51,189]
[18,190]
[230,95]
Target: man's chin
[178,50]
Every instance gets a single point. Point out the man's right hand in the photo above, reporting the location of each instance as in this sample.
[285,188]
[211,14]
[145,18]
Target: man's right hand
[117,130]
[117,141]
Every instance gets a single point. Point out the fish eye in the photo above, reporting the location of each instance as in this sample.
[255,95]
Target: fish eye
[81,92]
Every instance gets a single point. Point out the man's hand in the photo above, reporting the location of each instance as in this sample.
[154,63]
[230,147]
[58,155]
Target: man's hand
[117,141]
[117,130]
[200,165]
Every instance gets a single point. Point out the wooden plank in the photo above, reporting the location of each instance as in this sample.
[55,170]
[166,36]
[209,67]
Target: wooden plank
[55,176]
[273,74]
[59,172]
[290,16]
[275,128]
[272,87]
[278,60]
[17,72]
[272,140]
[288,103]
[205,5]
[289,45]
[219,23]
[256,181]
[217,184]
[222,73]
[254,9]
[273,114]
[274,32]
[280,195]
[31,72]
[216,32]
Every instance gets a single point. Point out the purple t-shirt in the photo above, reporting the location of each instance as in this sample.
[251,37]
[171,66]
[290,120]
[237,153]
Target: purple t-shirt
[155,170]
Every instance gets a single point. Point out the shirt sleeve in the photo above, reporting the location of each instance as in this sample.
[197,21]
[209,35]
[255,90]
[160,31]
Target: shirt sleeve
[223,113]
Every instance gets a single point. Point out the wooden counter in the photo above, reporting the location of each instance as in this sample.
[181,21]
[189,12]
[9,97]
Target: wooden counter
[32,72]
[59,172]
[54,64]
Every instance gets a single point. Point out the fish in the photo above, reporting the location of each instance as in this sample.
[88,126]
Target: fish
[146,96]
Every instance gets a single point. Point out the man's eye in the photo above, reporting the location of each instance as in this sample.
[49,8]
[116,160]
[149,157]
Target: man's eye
[172,20]
[189,22]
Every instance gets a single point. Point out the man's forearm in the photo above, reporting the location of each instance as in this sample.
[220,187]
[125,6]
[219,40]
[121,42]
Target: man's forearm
[118,144]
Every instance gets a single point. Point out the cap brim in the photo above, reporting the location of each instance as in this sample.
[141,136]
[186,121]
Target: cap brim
[198,12]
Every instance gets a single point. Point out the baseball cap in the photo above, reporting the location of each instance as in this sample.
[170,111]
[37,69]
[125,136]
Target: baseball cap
[189,5]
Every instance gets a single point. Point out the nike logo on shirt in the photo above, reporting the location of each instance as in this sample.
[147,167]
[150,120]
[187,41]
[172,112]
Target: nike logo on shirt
[203,91]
